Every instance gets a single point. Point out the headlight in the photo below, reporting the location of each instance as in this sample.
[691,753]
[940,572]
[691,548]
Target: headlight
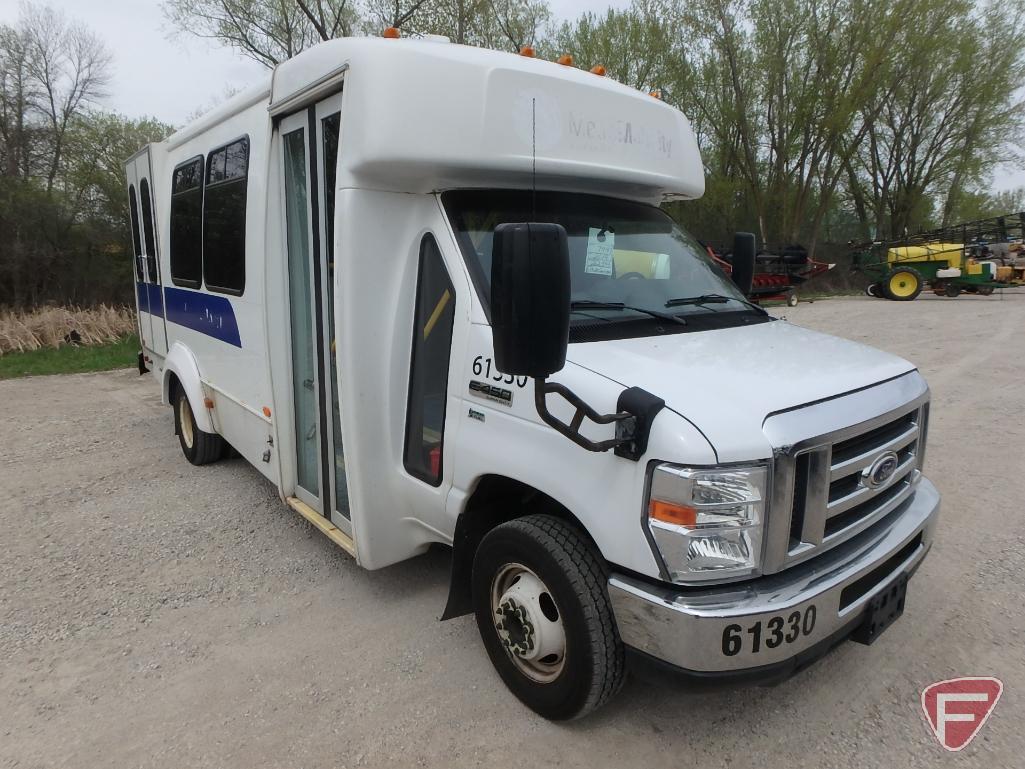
[707,523]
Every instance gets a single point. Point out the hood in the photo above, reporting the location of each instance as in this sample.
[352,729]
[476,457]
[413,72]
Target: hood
[726,382]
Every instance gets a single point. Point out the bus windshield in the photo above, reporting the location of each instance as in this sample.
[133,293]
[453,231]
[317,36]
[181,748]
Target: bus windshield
[627,260]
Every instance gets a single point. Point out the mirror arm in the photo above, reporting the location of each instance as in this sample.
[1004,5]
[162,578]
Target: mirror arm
[625,421]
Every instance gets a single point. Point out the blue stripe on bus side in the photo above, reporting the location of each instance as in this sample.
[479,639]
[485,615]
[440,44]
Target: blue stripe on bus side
[151,300]
[206,313]
[156,299]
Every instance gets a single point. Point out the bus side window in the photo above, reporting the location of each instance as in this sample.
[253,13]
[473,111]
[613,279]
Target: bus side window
[428,374]
[186,243]
[224,218]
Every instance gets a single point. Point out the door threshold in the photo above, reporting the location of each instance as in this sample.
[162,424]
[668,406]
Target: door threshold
[325,526]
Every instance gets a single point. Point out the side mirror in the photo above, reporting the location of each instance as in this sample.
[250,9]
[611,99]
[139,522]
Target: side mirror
[743,261]
[530,288]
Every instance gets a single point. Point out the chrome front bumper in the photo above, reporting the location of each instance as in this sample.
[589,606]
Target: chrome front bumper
[697,629]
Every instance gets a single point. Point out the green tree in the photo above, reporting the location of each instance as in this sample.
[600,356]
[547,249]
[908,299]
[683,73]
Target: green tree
[267,31]
[949,120]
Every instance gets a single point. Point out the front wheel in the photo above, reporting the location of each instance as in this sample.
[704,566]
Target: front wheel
[984,290]
[792,299]
[952,290]
[902,284]
[199,447]
[543,611]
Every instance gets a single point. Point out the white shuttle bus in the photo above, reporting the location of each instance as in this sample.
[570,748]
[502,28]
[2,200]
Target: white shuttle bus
[427,290]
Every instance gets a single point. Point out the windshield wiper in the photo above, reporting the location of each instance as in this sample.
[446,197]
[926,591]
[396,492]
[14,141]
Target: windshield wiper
[713,299]
[587,304]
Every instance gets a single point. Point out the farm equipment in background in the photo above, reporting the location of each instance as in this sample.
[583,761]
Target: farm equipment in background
[778,272]
[973,257]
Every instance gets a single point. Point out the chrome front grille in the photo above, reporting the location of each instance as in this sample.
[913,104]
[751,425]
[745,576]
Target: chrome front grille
[823,493]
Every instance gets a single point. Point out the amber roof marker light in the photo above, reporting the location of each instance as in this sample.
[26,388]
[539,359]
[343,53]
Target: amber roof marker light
[566,60]
[392,33]
[598,70]
[528,51]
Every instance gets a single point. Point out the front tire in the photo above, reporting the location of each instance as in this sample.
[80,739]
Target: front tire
[543,612]
[902,284]
[200,448]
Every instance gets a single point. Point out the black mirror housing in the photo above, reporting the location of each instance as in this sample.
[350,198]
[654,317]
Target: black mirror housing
[743,262]
[530,289]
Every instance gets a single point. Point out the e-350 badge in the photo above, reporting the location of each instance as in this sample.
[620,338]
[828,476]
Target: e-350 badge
[491,392]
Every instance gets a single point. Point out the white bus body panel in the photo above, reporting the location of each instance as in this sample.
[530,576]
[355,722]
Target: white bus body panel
[501,118]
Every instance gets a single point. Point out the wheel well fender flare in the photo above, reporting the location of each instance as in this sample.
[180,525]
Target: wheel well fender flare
[496,499]
[181,365]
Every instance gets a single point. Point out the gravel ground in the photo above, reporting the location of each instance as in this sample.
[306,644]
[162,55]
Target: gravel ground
[156,614]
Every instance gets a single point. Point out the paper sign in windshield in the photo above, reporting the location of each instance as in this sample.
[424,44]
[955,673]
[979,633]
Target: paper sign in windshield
[599,251]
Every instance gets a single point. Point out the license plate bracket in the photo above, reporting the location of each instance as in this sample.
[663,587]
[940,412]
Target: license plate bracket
[882,611]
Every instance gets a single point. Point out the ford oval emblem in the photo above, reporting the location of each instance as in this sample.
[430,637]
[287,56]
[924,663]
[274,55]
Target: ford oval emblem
[882,469]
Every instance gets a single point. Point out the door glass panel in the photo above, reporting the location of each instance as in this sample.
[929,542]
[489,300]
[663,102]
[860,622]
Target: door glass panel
[133,209]
[304,361]
[147,229]
[329,131]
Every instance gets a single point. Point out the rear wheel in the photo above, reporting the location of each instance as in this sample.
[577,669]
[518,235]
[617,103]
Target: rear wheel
[199,447]
[902,284]
[543,611]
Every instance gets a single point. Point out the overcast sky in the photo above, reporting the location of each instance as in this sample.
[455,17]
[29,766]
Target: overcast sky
[167,75]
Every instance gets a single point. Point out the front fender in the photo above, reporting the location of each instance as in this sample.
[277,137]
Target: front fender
[182,364]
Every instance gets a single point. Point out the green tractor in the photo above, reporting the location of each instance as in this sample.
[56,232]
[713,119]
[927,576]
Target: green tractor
[985,257]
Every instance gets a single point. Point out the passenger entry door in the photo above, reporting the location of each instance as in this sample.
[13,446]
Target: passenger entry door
[308,142]
[149,289]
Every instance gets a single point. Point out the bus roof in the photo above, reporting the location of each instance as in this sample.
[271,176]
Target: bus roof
[423,115]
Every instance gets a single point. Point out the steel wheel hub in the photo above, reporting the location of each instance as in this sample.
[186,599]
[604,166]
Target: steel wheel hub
[528,623]
[185,418]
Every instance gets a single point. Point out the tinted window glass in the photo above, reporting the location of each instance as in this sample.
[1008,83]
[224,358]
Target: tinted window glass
[224,219]
[147,229]
[215,166]
[133,209]
[428,379]
[186,246]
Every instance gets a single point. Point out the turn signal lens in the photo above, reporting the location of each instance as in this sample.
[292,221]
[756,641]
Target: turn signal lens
[392,33]
[598,70]
[656,95]
[672,513]
[566,60]
[527,51]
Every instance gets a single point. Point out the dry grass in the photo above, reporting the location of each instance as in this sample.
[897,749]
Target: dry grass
[53,326]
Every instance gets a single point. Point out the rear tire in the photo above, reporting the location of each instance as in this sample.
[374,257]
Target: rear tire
[199,447]
[902,284]
[562,595]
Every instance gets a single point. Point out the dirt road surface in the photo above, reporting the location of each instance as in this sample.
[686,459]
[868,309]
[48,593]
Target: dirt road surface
[153,614]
